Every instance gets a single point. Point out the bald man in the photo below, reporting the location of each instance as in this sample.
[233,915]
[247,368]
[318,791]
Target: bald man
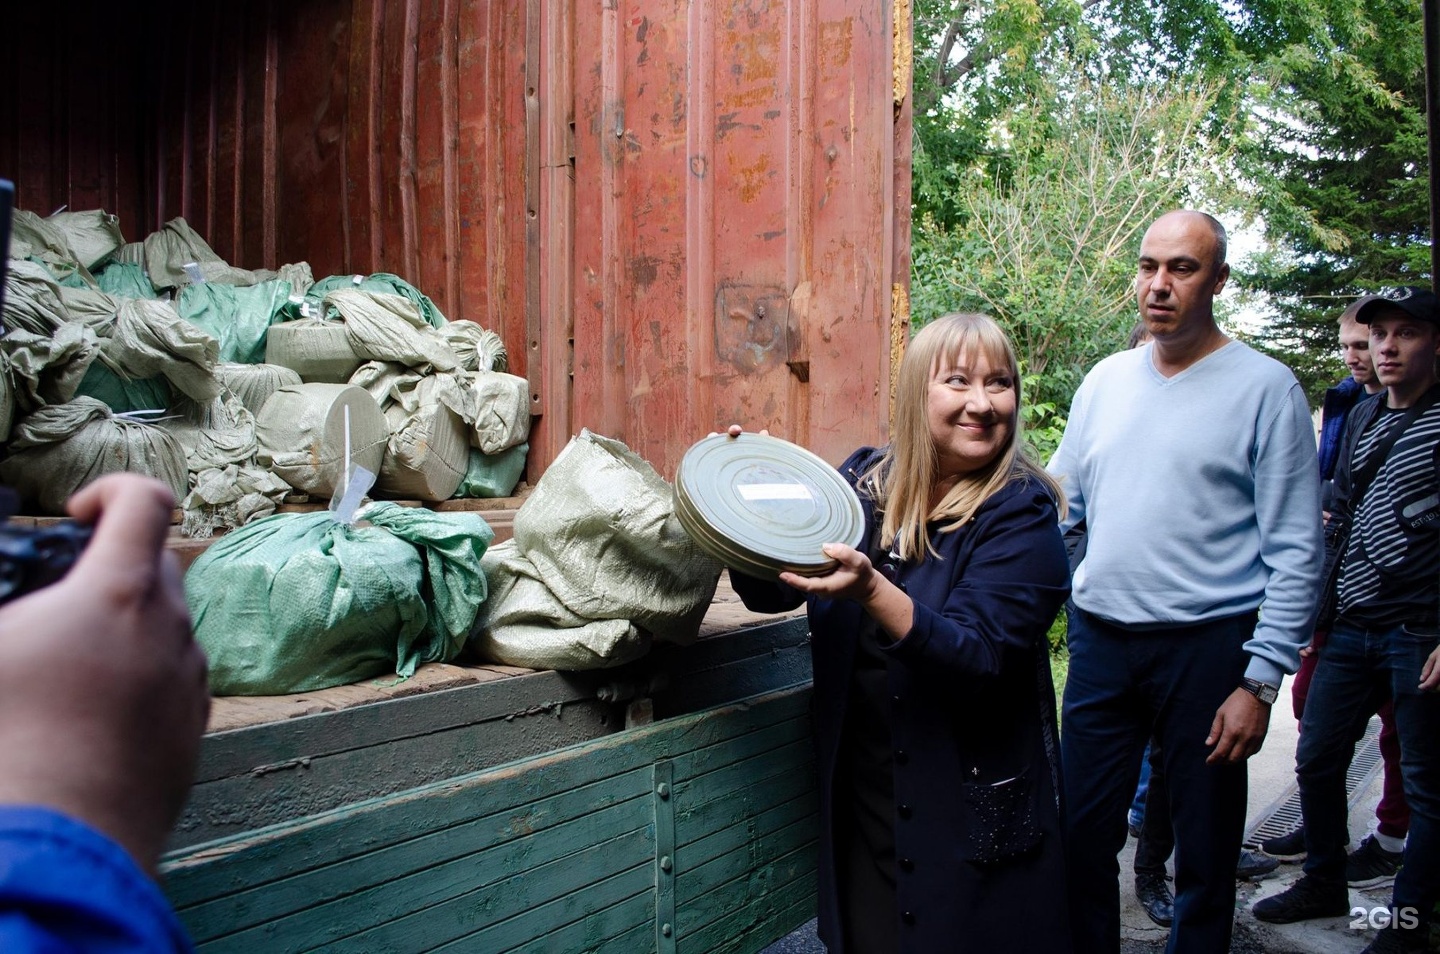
[1192,462]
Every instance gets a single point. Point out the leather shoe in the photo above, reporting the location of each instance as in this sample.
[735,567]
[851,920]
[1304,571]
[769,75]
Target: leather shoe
[1153,893]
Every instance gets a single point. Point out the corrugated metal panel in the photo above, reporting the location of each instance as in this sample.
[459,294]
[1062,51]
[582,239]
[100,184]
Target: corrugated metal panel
[678,213]
[734,238]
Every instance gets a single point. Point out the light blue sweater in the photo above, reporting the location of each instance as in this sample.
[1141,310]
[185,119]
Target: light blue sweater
[1200,495]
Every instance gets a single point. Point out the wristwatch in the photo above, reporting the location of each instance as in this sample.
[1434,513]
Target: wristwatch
[1263,691]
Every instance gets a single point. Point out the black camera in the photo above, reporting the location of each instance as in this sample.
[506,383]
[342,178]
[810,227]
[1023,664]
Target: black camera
[32,557]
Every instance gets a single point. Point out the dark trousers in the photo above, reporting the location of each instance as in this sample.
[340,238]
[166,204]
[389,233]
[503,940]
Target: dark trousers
[1123,686]
[1392,814]
[1358,670]
[1157,833]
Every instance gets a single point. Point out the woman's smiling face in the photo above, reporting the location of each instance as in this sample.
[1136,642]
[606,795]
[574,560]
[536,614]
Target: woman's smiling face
[971,411]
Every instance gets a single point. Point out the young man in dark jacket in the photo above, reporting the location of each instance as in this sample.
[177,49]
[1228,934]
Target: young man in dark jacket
[1383,558]
[1377,858]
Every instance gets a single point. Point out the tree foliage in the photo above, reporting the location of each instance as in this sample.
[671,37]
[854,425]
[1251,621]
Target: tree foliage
[1312,124]
[1048,248]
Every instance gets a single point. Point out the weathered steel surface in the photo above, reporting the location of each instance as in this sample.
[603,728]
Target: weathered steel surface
[677,214]
[735,236]
[556,853]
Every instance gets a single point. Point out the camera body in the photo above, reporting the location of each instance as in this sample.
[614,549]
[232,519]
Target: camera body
[34,557]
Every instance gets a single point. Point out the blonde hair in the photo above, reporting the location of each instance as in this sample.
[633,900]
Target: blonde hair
[902,481]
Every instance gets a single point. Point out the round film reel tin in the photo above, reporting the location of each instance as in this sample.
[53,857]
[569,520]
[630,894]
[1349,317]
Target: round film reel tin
[763,505]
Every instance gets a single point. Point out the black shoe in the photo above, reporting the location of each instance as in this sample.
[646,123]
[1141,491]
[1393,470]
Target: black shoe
[1303,900]
[1254,864]
[1288,847]
[1371,866]
[1395,940]
[1153,893]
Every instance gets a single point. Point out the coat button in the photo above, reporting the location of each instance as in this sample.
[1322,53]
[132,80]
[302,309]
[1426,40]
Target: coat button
[903,811]
[902,757]
[906,865]
[908,917]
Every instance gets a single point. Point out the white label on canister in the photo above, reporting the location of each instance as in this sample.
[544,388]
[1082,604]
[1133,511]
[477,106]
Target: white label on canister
[774,491]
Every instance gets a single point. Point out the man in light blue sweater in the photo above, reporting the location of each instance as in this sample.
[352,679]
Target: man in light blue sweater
[1192,461]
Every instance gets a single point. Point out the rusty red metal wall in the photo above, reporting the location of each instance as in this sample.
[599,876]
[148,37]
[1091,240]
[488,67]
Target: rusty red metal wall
[678,213]
[735,220]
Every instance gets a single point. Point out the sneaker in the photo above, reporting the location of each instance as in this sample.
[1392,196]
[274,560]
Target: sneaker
[1371,866]
[1393,940]
[1288,847]
[1254,864]
[1303,900]
[1153,893]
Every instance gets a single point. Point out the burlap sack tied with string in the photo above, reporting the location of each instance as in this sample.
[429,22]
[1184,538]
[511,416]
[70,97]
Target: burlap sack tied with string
[479,349]
[502,411]
[61,448]
[385,327]
[428,450]
[385,283]
[297,602]
[599,566]
[93,235]
[48,369]
[176,245]
[144,338]
[228,487]
[254,383]
[317,349]
[41,241]
[301,433]
[32,299]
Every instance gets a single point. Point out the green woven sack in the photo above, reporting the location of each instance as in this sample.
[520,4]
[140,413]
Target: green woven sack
[125,280]
[239,317]
[493,475]
[296,602]
[124,394]
[381,282]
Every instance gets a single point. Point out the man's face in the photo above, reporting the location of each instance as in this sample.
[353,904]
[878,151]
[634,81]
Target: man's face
[1178,278]
[1355,352]
[1404,349]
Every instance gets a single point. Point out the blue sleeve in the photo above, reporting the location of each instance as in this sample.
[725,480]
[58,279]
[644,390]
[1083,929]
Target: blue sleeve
[1007,596]
[66,888]
[1287,510]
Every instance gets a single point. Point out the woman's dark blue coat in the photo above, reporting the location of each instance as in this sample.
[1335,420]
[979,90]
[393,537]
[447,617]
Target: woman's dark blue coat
[979,864]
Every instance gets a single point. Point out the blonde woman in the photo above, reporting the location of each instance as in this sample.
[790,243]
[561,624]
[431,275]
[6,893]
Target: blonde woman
[934,708]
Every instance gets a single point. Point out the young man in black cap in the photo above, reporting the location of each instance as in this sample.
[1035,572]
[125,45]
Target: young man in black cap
[1383,604]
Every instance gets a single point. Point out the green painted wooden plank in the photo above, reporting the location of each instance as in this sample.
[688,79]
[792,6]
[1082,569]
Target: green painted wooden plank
[219,869]
[239,751]
[743,835]
[764,641]
[693,766]
[423,929]
[575,922]
[737,781]
[761,934]
[503,824]
[746,924]
[762,785]
[747,864]
[324,782]
[498,871]
[639,939]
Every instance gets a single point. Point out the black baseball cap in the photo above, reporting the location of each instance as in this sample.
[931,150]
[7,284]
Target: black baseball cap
[1417,301]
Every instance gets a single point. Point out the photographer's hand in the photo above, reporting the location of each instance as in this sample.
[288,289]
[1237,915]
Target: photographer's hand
[103,694]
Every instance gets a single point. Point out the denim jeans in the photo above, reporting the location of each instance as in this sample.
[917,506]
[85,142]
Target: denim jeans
[1123,686]
[1358,670]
